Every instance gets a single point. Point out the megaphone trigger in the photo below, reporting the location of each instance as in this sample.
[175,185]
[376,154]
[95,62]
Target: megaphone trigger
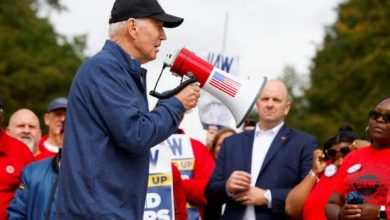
[189,75]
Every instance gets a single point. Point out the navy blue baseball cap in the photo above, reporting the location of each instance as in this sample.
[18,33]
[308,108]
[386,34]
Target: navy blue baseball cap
[125,9]
[57,103]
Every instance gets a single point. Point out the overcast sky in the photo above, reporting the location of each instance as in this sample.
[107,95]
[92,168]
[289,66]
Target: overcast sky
[265,35]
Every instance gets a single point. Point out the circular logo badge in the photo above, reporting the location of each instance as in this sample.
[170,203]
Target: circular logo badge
[330,170]
[354,168]
[10,169]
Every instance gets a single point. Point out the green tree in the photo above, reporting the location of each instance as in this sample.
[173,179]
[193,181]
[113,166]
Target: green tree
[351,71]
[36,63]
[296,85]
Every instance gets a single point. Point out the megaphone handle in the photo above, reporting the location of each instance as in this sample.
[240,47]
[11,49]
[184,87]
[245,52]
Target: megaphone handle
[174,91]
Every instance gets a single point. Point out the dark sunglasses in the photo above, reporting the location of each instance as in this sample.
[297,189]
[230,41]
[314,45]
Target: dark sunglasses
[374,115]
[331,153]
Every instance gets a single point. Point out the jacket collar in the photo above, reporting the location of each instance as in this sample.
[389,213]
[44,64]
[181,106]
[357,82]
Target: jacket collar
[132,65]
[280,138]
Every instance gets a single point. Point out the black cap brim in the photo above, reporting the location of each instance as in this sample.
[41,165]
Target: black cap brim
[170,21]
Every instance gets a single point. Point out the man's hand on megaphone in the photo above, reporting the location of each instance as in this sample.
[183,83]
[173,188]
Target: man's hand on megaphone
[189,96]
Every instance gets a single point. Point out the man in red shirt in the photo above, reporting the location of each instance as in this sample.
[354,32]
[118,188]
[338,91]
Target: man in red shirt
[54,119]
[24,126]
[14,156]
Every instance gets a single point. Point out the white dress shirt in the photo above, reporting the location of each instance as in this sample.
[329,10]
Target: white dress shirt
[261,144]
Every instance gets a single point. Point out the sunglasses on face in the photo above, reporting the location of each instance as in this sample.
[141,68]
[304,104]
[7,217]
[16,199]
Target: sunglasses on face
[375,115]
[332,153]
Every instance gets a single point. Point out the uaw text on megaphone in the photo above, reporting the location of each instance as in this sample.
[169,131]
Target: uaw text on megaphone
[239,95]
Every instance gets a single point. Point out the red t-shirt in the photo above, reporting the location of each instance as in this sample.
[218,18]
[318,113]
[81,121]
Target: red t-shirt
[14,156]
[314,207]
[43,151]
[367,171]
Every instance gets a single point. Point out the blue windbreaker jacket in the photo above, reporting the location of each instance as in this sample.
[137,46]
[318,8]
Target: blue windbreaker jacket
[108,133]
[33,197]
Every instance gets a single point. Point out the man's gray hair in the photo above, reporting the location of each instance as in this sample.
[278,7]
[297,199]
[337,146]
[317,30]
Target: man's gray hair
[115,28]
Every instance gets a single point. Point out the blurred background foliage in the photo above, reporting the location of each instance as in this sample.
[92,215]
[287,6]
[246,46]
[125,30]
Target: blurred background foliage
[349,73]
[36,63]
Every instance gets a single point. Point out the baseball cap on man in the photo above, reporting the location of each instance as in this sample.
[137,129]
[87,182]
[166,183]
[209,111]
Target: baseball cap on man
[125,9]
[57,103]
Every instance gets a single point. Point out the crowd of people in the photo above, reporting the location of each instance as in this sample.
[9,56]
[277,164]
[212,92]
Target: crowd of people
[30,163]
[107,156]
[268,171]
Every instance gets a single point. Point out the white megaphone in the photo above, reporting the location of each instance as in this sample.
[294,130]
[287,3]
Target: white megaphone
[238,95]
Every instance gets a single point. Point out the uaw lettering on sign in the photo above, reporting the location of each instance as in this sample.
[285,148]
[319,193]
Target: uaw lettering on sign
[153,159]
[180,146]
[220,61]
[176,145]
[159,197]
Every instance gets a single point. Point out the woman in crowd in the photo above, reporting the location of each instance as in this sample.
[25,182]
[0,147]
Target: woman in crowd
[365,173]
[308,199]
[218,139]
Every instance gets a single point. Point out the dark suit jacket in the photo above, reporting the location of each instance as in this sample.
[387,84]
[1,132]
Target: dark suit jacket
[287,162]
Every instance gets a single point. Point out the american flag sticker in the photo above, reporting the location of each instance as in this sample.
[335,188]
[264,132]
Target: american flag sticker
[225,84]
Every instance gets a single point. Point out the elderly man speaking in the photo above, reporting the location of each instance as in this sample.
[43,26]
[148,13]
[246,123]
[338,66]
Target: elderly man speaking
[109,128]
